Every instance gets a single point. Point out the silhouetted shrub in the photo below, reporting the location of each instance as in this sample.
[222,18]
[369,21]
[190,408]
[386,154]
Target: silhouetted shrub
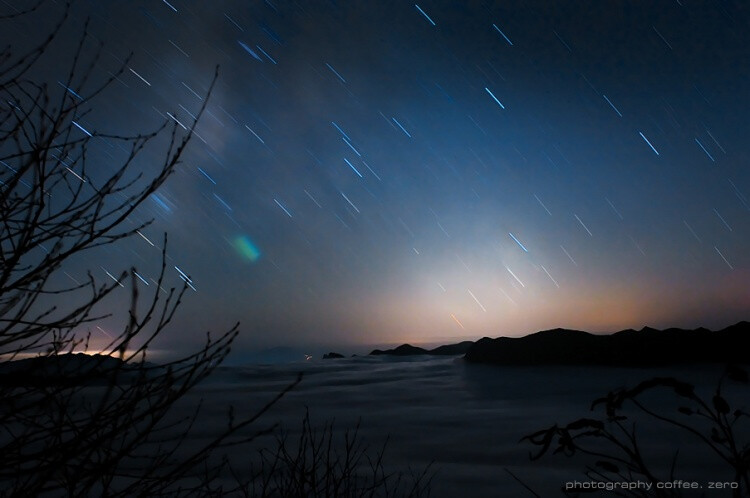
[316,464]
[612,444]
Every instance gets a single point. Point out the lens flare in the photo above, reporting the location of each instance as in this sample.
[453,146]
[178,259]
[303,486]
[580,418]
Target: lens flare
[246,248]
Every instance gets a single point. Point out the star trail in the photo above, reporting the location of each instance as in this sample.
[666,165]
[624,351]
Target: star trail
[548,164]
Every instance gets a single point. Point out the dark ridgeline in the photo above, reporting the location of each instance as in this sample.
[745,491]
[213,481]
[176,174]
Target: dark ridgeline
[66,369]
[452,349]
[402,350]
[645,347]
[409,350]
[332,356]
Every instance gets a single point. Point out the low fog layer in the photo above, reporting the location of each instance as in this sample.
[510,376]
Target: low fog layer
[468,419]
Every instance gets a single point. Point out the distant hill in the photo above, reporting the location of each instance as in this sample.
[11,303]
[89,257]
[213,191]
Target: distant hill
[409,350]
[452,349]
[645,347]
[68,368]
[402,350]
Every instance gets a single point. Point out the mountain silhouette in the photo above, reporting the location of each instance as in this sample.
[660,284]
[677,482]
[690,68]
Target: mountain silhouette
[645,347]
[409,350]
[66,369]
[402,350]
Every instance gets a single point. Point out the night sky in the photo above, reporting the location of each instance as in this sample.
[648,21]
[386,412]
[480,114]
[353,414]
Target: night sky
[372,172]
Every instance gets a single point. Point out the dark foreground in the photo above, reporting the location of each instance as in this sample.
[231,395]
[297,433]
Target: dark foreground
[465,418]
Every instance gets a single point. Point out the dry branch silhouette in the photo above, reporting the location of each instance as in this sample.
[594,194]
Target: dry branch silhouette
[611,440]
[81,425]
[106,424]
